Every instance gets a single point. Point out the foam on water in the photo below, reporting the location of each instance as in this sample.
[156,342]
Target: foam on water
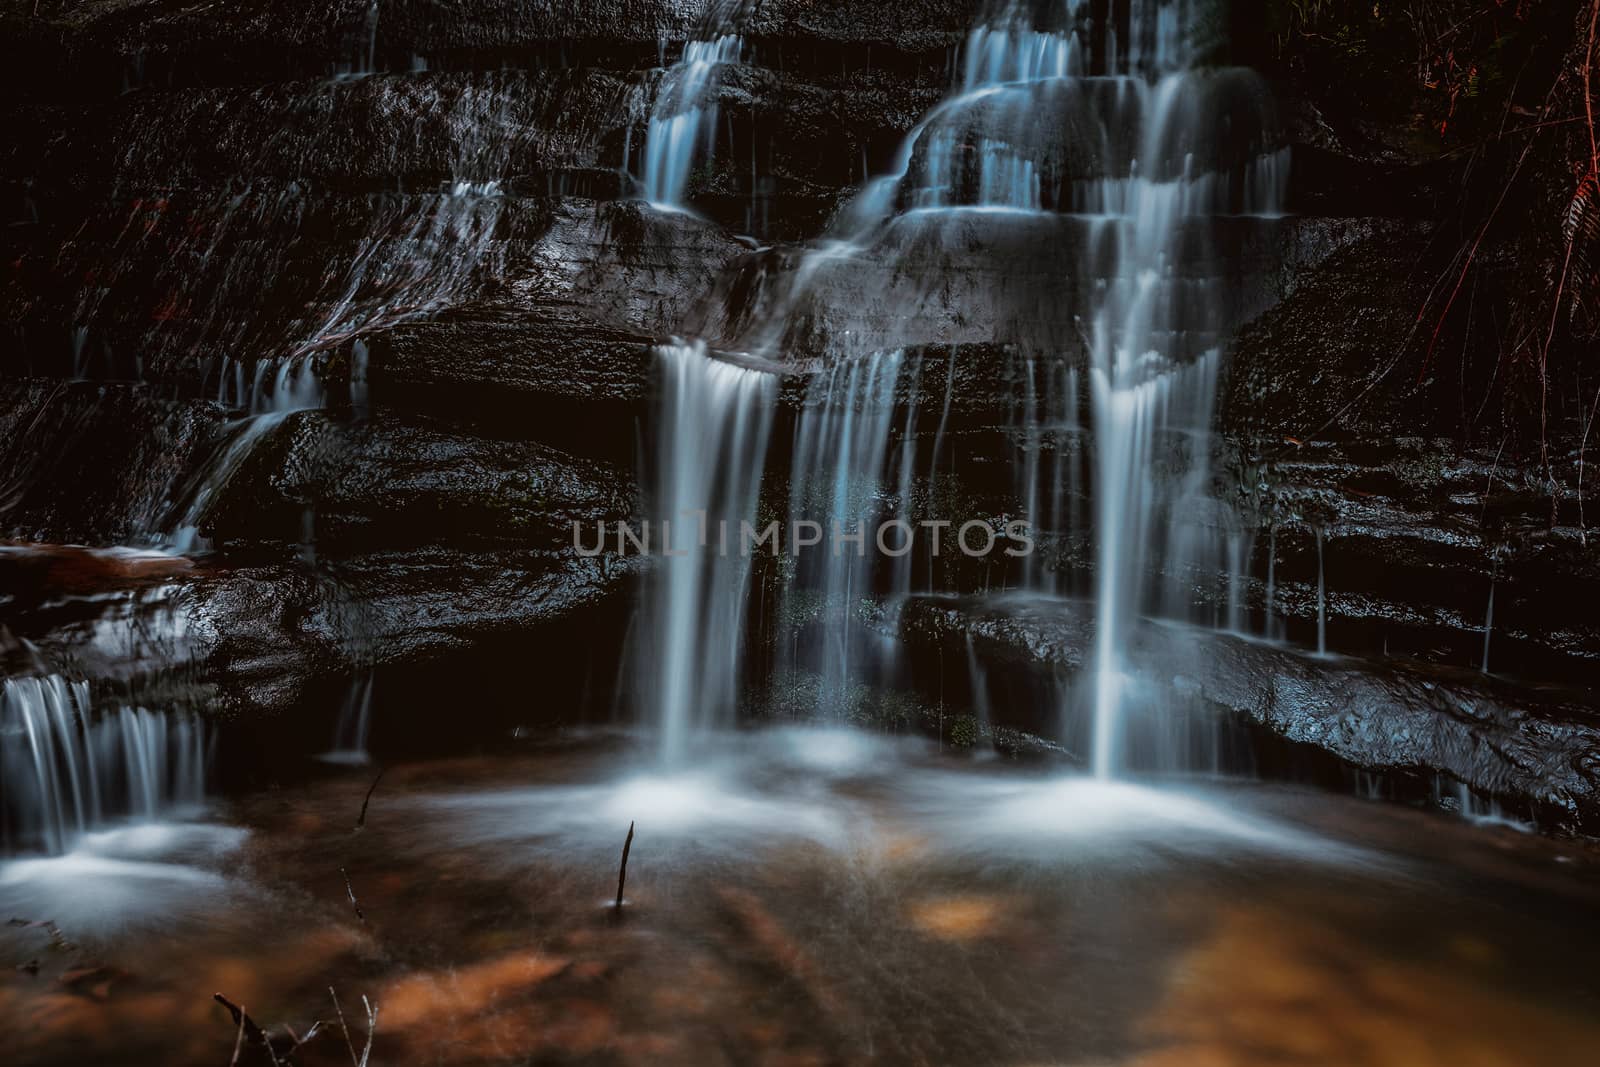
[147,874]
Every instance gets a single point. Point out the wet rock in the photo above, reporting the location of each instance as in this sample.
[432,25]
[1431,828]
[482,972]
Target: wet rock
[166,288]
[975,278]
[269,640]
[1333,418]
[414,132]
[161,41]
[566,350]
[93,463]
[392,483]
[1536,749]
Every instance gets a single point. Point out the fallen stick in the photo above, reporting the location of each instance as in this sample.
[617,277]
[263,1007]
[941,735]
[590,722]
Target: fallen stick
[362,821]
[372,1029]
[238,1041]
[350,890]
[344,1027]
[247,1026]
[622,875]
[248,1029]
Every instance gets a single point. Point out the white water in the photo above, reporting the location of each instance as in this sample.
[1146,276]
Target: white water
[711,434]
[683,124]
[1048,428]
[1152,379]
[1269,605]
[354,725]
[1139,152]
[64,773]
[843,478]
[277,388]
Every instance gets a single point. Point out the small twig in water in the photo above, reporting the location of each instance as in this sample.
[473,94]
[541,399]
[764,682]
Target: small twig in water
[238,1042]
[247,1025]
[372,1030]
[622,874]
[345,1027]
[349,889]
[362,821]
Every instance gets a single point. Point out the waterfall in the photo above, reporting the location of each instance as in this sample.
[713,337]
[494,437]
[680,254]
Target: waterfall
[354,723]
[1092,121]
[980,697]
[277,389]
[1240,542]
[64,774]
[275,385]
[685,115]
[1046,423]
[840,483]
[1269,626]
[1153,356]
[1488,627]
[712,427]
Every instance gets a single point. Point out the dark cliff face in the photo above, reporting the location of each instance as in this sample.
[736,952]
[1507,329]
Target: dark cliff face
[430,205]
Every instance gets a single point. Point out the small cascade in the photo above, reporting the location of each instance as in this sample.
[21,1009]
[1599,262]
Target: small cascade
[65,774]
[1452,795]
[1322,601]
[1488,626]
[269,385]
[900,580]
[1269,604]
[427,252]
[1240,543]
[683,125]
[842,492]
[976,147]
[360,401]
[366,62]
[1097,123]
[1047,426]
[354,724]
[277,389]
[711,432]
[980,697]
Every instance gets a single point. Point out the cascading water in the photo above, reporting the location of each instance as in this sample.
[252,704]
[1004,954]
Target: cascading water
[841,483]
[1048,430]
[1488,623]
[712,427]
[63,773]
[354,725]
[1092,120]
[1152,368]
[683,124]
[1139,151]
[228,275]
[278,389]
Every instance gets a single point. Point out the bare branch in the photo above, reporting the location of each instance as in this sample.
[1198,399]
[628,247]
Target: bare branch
[622,874]
[362,821]
[350,890]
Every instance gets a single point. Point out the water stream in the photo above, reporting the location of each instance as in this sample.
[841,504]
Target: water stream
[713,421]
[683,125]
[68,772]
[822,893]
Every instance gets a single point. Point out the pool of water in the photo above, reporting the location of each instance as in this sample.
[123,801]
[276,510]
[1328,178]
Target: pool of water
[805,898]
